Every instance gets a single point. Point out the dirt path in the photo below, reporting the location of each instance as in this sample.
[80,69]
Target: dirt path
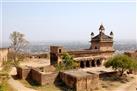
[130,86]
[16,84]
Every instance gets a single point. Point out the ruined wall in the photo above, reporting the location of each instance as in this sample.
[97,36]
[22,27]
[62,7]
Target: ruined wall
[85,83]
[68,79]
[36,75]
[43,78]
[55,53]
[23,72]
[89,83]
[3,55]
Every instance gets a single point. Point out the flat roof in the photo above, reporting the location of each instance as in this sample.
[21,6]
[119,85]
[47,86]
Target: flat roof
[78,73]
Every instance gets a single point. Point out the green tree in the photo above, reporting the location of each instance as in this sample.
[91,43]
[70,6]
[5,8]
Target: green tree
[121,63]
[18,42]
[67,63]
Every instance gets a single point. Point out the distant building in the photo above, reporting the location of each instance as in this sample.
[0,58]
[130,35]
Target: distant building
[131,54]
[101,49]
[3,55]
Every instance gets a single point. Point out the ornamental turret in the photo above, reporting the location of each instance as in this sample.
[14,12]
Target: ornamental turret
[102,42]
[111,34]
[101,28]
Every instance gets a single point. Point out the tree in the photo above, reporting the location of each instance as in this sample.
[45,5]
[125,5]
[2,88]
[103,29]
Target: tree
[67,62]
[121,63]
[17,43]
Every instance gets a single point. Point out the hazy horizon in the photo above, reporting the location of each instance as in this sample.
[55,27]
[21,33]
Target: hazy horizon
[60,21]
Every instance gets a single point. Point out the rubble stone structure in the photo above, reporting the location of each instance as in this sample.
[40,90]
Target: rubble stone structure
[101,48]
[3,55]
[38,74]
[80,80]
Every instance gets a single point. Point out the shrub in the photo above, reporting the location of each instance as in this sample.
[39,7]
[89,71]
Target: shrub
[67,63]
[121,63]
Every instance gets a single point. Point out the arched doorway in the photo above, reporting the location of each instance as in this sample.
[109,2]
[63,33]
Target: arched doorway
[87,64]
[98,62]
[81,64]
[93,63]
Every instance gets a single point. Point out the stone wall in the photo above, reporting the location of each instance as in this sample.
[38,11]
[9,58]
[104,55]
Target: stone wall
[108,74]
[36,75]
[78,82]
[43,78]
[88,84]
[3,55]
[55,53]
[23,72]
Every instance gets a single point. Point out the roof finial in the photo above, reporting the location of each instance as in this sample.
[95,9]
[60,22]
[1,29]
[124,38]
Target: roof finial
[101,28]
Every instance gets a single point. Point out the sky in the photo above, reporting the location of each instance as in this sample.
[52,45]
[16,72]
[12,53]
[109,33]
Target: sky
[41,20]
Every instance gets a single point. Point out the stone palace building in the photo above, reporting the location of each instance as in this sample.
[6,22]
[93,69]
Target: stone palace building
[101,49]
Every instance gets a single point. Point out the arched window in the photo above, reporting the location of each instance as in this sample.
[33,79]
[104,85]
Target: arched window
[59,50]
[81,64]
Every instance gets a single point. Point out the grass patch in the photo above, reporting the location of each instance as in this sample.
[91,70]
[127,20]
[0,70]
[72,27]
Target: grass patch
[4,86]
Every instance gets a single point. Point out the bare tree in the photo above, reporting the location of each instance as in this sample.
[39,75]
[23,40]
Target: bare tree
[17,43]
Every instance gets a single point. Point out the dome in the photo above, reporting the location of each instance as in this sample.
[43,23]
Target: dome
[92,34]
[111,33]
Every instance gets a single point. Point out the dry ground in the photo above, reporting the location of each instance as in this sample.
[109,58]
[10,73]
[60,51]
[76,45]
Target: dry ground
[36,62]
[106,85]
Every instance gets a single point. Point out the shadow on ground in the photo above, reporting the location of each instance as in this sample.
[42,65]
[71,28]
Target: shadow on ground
[121,79]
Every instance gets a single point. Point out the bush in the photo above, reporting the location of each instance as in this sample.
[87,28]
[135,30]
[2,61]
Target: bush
[121,63]
[67,63]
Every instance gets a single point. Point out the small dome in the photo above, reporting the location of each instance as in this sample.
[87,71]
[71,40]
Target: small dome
[92,34]
[111,33]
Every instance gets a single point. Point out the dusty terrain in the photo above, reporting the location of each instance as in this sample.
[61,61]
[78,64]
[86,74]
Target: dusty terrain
[113,86]
[36,62]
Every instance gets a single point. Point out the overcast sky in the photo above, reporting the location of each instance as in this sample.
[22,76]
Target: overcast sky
[44,21]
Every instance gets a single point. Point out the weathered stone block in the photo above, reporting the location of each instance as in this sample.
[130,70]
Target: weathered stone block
[80,80]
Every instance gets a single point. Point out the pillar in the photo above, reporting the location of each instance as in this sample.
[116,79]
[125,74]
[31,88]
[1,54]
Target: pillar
[93,63]
[90,63]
